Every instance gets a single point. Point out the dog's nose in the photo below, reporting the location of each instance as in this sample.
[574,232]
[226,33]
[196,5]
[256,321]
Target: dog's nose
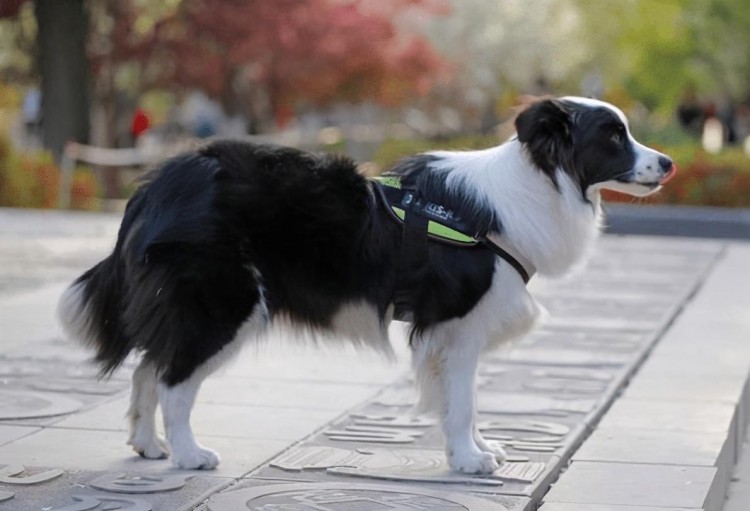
[665,163]
[668,167]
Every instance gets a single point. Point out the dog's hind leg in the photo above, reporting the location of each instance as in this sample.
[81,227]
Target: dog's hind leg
[177,397]
[176,403]
[142,413]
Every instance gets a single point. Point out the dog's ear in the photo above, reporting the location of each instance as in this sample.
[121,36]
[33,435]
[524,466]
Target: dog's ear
[545,129]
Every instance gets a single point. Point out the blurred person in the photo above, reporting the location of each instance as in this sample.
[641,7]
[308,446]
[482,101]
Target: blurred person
[690,113]
[140,123]
[31,113]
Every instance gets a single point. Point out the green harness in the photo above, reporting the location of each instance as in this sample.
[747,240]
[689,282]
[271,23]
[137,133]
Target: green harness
[435,230]
[424,220]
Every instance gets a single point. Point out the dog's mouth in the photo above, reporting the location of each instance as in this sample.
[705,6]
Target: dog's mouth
[672,172]
[662,181]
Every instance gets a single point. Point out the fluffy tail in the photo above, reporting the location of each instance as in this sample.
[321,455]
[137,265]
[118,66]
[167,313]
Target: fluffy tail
[89,311]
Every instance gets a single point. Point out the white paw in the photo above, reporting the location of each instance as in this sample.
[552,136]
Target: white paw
[473,462]
[152,447]
[493,448]
[196,458]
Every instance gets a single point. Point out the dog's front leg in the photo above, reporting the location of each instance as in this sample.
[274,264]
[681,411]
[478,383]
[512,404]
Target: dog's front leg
[458,374]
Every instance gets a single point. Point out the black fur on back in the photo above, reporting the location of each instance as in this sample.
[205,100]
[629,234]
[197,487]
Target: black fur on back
[212,233]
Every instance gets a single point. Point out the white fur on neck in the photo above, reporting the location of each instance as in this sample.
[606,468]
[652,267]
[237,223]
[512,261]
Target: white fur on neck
[553,229]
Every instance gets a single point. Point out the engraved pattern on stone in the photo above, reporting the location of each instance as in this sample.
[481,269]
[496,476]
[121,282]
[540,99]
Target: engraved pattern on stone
[320,458]
[574,374]
[398,465]
[82,504]
[374,434]
[6,495]
[399,421]
[346,496]
[29,405]
[524,426]
[529,404]
[520,472]
[610,345]
[397,397]
[561,357]
[10,475]
[562,385]
[123,483]
[531,447]
[105,503]
[485,370]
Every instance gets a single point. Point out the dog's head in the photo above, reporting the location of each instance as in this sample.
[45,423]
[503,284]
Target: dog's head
[590,140]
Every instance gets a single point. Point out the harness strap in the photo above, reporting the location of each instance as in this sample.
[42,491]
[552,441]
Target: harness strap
[419,216]
[414,246]
[525,269]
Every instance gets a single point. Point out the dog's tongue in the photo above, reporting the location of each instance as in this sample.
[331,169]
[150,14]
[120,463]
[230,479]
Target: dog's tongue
[669,175]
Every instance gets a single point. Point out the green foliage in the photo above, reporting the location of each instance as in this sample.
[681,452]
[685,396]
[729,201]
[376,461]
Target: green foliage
[32,180]
[659,49]
[393,150]
[28,180]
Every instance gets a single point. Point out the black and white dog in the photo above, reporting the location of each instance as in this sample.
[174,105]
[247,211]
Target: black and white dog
[219,243]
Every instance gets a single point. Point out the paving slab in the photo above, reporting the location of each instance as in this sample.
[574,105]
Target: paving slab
[84,490]
[44,246]
[724,294]
[94,450]
[657,447]
[26,316]
[227,421]
[670,416]
[9,434]
[738,492]
[286,394]
[719,388]
[301,496]
[554,506]
[716,360]
[627,484]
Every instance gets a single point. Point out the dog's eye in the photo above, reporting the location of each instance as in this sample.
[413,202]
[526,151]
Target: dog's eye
[617,134]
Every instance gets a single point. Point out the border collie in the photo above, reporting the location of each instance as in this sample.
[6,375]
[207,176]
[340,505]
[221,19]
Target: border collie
[219,243]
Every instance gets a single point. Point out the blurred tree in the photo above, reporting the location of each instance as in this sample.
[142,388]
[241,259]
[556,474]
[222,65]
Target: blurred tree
[61,31]
[500,47]
[659,50]
[61,39]
[266,58]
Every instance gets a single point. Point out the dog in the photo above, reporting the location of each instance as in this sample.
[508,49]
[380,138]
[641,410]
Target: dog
[219,243]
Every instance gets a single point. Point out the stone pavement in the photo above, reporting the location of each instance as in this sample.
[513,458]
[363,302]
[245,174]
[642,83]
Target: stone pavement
[302,428]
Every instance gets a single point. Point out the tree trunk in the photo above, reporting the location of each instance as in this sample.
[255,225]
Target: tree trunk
[62,28]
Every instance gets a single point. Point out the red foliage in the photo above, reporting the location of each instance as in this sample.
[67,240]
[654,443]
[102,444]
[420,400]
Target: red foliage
[702,182]
[317,51]
[10,8]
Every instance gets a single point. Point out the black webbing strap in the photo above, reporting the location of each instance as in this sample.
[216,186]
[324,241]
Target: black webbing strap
[415,239]
[413,259]
[507,258]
